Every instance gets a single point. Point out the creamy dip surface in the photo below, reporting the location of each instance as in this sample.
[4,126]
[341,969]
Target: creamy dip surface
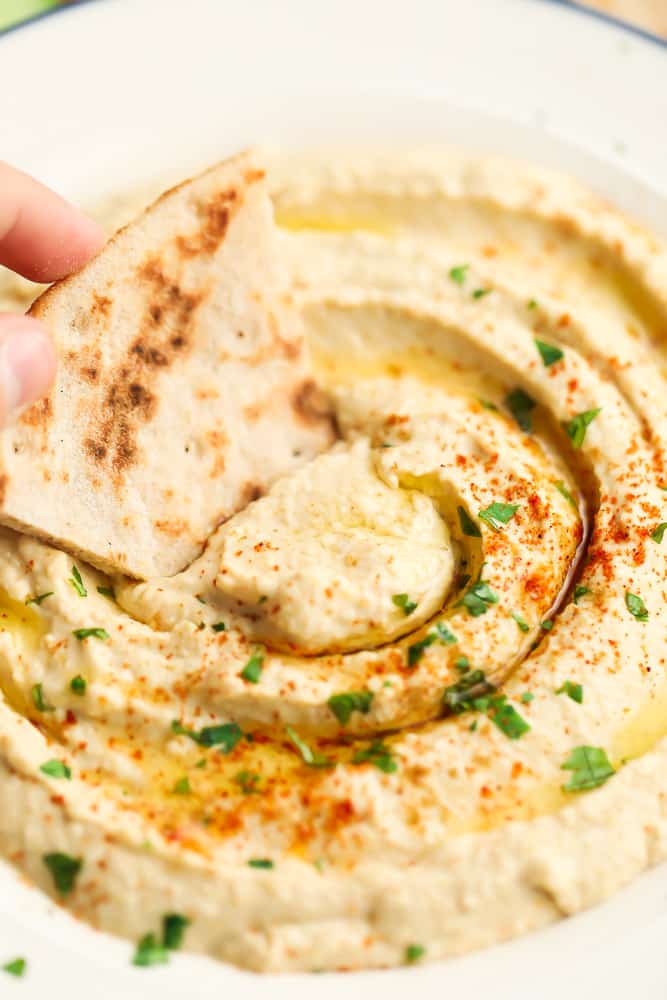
[413,700]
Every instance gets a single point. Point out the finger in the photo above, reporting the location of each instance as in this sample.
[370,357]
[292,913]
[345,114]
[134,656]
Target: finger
[27,363]
[41,235]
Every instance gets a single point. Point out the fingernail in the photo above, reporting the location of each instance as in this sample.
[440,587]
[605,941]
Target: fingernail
[27,362]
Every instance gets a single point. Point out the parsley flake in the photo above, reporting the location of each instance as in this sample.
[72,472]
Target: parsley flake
[572,690]
[576,427]
[182,786]
[478,599]
[107,592]
[378,754]
[149,952]
[658,533]
[78,685]
[479,293]
[468,526]
[458,273]
[521,405]
[521,621]
[40,597]
[219,627]
[470,692]
[174,926]
[590,768]
[549,353]
[77,582]
[265,863]
[16,967]
[531,304]
[38,699]
[444,634]
[247,782]
[56,769]
[64,870]
[636,607]
[403,602]
[313,758]
[462,663]
[225,736]
[563,490]
[581,591]
[527,697]
[253,668]
[416,650]
[413,953]
[91,633]
[343,705]
[507,719]
[497,514]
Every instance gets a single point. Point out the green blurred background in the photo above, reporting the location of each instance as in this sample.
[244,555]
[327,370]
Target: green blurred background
[13,11]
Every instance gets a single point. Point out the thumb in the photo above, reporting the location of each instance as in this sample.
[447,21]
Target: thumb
[27,364]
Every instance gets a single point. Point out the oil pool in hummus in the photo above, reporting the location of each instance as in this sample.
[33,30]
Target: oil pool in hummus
[413,700]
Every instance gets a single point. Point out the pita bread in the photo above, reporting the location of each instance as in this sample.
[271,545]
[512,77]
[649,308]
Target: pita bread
[182,389]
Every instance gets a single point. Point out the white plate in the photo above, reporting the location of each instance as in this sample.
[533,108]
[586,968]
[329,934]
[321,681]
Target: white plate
[110,93]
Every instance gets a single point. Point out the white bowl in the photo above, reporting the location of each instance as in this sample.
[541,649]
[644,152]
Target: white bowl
[106,95]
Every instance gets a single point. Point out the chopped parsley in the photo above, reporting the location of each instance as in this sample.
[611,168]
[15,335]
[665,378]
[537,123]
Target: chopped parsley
[572,690]
[462,664]
[77,582]
[149,952]
[444,634]
[56,769]
[581,591]
[531,304]
[521,405]
[549,353]
[497,514]
[38,699]
[416,650]
[91,633]
[478,599]
[507,719]
[563,490]
[521,621]
[247,782]
[182,786]
[527,697]
[470,692]
[576,427]
[590,767]
[343,705]
[16,967]
[479,293]
[547,624]
[468,526]
[458,273]
[78,684]
[265,863]
[659,533]
[174,926]
[64,870]
[379,755]
[403,602]
[107,592]
[313,758]
[225,736]
[413,953]
[636,607]
[219,627]
[40,597]
[488,405]
[253,668]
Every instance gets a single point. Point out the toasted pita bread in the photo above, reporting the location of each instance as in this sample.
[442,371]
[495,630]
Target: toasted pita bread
[182,390]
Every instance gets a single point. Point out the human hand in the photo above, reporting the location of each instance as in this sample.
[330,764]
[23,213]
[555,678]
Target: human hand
[43,238]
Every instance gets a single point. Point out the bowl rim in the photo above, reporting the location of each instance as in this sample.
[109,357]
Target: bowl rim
[573,6]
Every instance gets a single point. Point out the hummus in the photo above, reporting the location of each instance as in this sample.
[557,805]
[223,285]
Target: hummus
[412,701]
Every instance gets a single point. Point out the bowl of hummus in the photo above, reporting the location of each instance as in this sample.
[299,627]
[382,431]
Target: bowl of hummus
[410,702]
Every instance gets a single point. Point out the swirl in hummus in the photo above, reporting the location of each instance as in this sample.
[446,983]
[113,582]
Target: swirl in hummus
[412,701]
